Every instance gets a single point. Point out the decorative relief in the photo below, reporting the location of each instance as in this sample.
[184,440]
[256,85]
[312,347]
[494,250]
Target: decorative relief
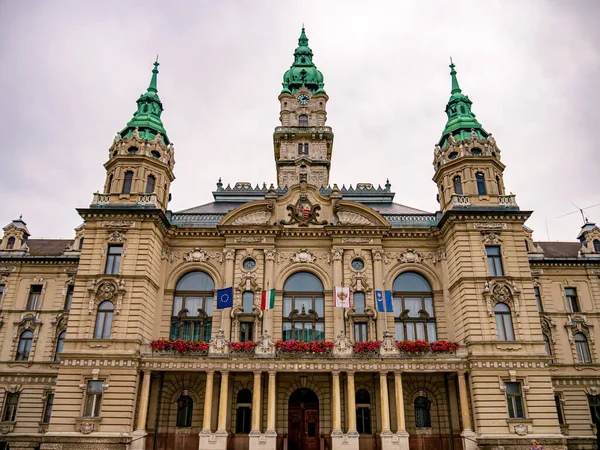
[219,344]
[86,427]
[490,226]
[119,224]
[343,346]
[303,213]
[70,270]
[196,255]
[352,218]
[303,256]
[521,429]
[7,269]
[501,292]
[410,256]
[106,290]
[265,345]
[357,240]
[337,254]
[248,282]
[270,254]
[253,218]
[229,254]
[491,238]
[379,255]
[249,240]
[116,236]
[170,255]
[536,272]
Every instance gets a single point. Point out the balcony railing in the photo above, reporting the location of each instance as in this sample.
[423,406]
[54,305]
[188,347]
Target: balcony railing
[297,129]
[507,200]
[460,200]
[141,199]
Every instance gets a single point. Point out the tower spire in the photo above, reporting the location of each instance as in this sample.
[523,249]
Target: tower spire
[152,86]
[303,71]
[455,86]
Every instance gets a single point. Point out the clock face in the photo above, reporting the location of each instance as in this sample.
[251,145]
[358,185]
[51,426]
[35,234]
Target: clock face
[249,264]
[358,264]
[303,99]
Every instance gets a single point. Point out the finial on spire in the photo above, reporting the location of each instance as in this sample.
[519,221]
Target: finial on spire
[455,86]
[152,87]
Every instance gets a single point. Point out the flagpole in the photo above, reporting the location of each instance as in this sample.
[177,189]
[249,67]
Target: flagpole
[384,307]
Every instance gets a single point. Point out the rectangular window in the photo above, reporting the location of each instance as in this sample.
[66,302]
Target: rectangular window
[494,260]
[559,410]
[514,397]
[538,299]
[93,398]
[360,332]
[246,329]
[48,407]
[572,302]
[11,402]
[113,260]
[35,292]
[594,402]
[69,297]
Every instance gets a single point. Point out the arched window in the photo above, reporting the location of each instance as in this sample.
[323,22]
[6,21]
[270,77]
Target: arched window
[24,347]
[414,314]
[422,412]
[504,322]
[193,307]
[480,183]
[185,406]
[583,349]
[457,185]
[150,182]
[596,246]
[547,345]
[60,342]
[104,320]
[303,120]
[127,182]
[10,244]
[243,415]
[303,308]
[363,412]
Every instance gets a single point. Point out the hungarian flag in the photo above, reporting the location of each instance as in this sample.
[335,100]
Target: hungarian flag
[267,299]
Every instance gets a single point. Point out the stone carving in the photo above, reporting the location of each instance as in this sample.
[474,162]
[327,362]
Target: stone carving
[490,226]
[119,224]
[303,256]
[521,429]
[352,218]
[270,254]
[229,253]
[116,236]
[169,255]
[357,240]
[491,238]
[106,290]
[249,240]
[4,429]
[379,255]
[343,346]
[265,345]
[410,256]
[501,294]
[388,344]
[196,255]
[219,344]
[303,213]
[86,427]
[337,254]
[70,270]
[253,218]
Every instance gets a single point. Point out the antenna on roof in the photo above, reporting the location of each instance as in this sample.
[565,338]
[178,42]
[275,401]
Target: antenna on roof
[584,216]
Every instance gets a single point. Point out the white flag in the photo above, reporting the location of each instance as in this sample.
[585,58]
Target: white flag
[342,297]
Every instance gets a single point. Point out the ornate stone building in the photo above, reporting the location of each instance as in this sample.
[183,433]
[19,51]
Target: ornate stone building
[83,365]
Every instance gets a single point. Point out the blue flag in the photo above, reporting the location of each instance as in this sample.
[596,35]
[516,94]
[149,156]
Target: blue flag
[225,298]
[384,301]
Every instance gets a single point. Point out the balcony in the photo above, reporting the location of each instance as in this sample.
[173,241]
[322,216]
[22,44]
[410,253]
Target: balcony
[507,200]
[303,130]
[134,199]
[460,200]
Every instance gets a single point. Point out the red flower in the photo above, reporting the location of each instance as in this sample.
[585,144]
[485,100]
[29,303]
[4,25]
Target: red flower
[368,347]
[420,346]
[179,345]
[315,347]
[242,346]
[441,346]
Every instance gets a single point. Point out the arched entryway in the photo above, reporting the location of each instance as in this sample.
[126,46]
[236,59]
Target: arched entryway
[303,420]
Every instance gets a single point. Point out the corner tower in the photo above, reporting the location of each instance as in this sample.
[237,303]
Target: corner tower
[139,170]
[466,159]
[303,143]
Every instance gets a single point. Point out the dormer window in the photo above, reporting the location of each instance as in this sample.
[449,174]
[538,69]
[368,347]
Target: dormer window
[596,246]
[155,154]
[303,120]
[10,244]
[132,150]
[476,151]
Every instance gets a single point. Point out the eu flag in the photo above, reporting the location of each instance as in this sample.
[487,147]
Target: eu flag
[384,301]
[225,298]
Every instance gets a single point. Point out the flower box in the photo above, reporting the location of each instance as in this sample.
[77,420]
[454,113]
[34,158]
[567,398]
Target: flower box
[421,347]
[179,347]
[366,349]
[303,349]
[241,348]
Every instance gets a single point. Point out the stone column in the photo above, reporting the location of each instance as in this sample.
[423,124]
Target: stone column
[377,254]
[338,279]
[269,283]
[223,405]
[401,425]
[351,404]
[467,433]
[256,396]
[271,403]
[139,441]
[208,400]
[336,410]
[385,403]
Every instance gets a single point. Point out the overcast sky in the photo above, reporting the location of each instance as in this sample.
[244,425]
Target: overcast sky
[70,73]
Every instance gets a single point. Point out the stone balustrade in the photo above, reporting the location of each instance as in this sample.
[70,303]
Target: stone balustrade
[507,200]
[460,200]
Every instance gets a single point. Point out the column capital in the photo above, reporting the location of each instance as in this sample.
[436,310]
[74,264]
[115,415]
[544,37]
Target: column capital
[257,372]
[146,371]
[462,372]
[210,372]
[224,372]
[383,373]
[272,373]
[350,372]
[335,373]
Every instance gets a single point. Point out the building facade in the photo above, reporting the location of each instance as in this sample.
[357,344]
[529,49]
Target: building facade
[116,339]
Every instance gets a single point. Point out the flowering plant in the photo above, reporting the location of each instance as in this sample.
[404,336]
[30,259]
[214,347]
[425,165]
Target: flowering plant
[241,346]
[366,348]
[420,346]
[414,347]
[314,347]
[441,346]
[179,345]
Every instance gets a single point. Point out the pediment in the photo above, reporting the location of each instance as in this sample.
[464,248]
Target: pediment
[304,206]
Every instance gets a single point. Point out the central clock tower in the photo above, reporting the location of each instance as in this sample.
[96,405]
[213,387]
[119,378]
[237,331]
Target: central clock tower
[303,143]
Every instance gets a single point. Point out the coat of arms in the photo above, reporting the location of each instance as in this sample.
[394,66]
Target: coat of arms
[303,213]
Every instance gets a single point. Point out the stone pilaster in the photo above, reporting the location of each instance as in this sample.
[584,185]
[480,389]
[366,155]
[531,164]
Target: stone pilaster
[269,283]
[139,440]
[377,255]
[401,434]
[468,436]
[338,279]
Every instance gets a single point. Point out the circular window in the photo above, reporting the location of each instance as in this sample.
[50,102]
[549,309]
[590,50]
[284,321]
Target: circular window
[476,151]
[453,155]
[155,154]
[358,264]
[132,150]
[249,264]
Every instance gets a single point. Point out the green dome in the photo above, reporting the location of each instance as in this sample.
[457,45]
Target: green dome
[461,120]
[303,71]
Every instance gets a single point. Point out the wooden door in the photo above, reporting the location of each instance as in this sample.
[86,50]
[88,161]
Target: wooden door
[311,429]
[303,429]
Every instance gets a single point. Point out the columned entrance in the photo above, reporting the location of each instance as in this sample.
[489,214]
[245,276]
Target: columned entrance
[303,420]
